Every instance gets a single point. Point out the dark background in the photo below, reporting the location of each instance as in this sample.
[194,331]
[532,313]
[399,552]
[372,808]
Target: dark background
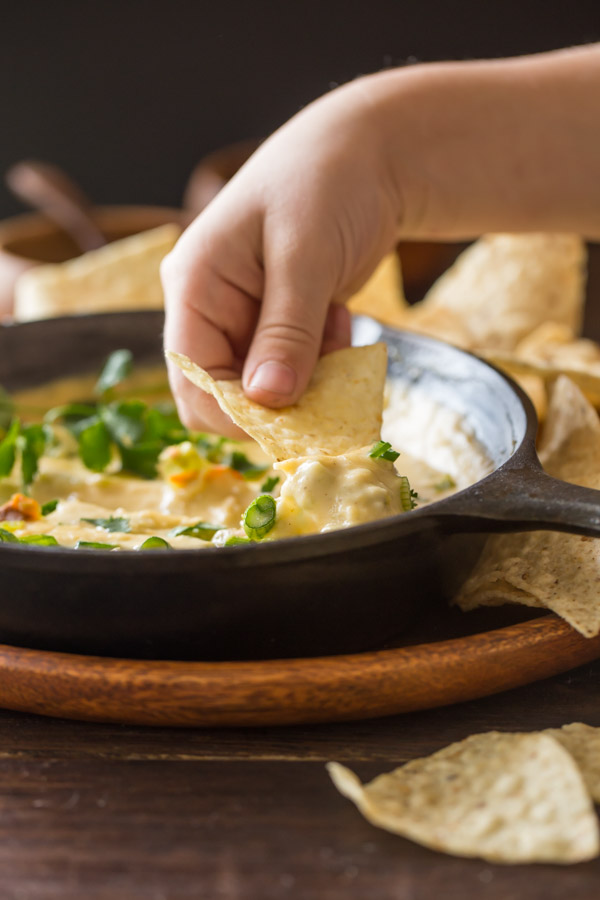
[127,96]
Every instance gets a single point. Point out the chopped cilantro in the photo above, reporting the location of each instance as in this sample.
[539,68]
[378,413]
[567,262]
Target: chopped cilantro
[95,446]
[113,523]
[94,545]
[201,530]
[35,439]
[241,463]
[268,485]
[7,409]
[115,370]
[8,448]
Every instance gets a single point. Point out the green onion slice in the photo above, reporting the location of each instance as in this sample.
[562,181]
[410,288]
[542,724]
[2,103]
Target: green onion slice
[42,540]
[383,450]
[259,518]
[154,543]
[202,530]
[235,541]
[49,507]
[7,537]
[408,497]
[94,545]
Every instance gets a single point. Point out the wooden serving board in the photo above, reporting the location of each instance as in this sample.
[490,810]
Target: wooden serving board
[326,689]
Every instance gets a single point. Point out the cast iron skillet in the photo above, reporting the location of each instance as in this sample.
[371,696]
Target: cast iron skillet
[340,592]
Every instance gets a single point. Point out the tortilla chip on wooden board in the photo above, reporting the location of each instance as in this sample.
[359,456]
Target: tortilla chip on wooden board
[502,287]
[382,297]
[583,743]
[548,569]
[340,410]
[122,275]
[509,798]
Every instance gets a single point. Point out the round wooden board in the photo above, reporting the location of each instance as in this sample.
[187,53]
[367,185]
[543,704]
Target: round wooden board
[337,688]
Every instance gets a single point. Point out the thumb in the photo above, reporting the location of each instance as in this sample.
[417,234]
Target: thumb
[290,331]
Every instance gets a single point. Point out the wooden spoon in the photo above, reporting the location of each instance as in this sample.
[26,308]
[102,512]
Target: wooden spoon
[48,189]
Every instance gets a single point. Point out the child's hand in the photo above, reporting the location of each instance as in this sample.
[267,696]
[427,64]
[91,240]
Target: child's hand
[256,285]
[447,150]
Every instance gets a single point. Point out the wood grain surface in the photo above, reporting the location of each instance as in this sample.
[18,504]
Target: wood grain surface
[108,812]
[281,692]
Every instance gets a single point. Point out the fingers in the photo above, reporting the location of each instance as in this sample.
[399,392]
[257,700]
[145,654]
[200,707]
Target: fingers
[338,329]
[291,324]
[209,319]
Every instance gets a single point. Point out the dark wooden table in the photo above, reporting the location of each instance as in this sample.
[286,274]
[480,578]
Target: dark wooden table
[99,812]
[115,812]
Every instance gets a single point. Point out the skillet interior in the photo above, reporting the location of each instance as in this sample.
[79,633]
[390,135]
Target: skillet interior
[342,592]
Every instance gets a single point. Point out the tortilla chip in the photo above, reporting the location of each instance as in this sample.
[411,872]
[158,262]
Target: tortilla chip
[548,569]
[122,275]
[443,324]
[510,798]
[583,743]
[556,345]
[382,296]
[505,285]
[535,389]
[340,410]
[569,446]
[551,350]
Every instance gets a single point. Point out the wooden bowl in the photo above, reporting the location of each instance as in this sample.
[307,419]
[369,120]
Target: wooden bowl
[32,239]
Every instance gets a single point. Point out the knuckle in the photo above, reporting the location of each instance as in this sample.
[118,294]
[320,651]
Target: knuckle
[291,333]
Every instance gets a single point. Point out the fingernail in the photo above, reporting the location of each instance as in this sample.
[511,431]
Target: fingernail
[275,377]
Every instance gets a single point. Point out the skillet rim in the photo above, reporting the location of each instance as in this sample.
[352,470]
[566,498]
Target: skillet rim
[300,547]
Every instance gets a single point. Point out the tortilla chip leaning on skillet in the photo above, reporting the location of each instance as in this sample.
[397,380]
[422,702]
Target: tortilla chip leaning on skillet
[552,350]
[509,798]
[504,286]
[340,410]
[549,569]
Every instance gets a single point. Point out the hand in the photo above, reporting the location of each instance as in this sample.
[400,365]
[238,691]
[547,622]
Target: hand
[446,150]
[256,285]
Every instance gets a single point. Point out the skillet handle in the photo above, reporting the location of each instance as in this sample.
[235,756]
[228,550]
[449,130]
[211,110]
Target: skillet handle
[525,498]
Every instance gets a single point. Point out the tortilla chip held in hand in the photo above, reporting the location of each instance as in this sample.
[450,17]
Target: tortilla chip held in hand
[340,410]
[547,569]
